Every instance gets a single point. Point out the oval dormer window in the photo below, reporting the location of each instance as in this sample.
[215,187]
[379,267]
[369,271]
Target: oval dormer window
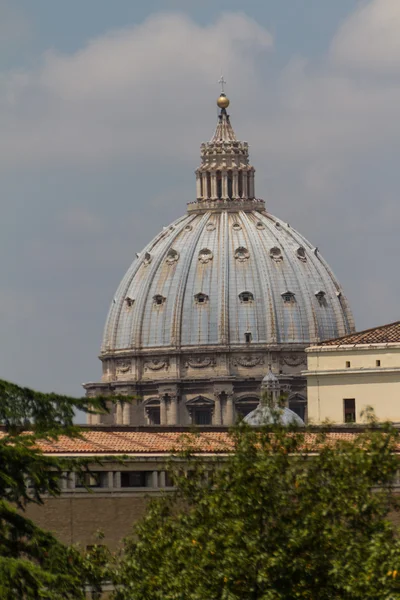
[301,254]
[129,301]
[172,256]
[147,259]
[201,298]
[159,300]
[321,297]
[205,255]
[276,254]
[242,254]
[246,297]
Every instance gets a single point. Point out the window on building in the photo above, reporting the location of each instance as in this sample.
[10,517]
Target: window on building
[378,363]
[158,300]
[349,406]
[201,416]
[169,482]
[154,415]
[129,301]
[219,184]
[230,191]
[288,297]
[136,479]
[248,337]
[348,364]
[92,479]
[246,297]
[201,298]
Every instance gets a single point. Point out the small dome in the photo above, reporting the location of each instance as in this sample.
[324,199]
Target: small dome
[263,415]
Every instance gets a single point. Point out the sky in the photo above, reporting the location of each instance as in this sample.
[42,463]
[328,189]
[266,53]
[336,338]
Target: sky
[103,106]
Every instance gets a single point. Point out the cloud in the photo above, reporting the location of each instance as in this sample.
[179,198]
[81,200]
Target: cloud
[370,38]
[124,92]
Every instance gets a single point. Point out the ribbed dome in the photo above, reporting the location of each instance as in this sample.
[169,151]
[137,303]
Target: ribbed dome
[220,293]
[220,277]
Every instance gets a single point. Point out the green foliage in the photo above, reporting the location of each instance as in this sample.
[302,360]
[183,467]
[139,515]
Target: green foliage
[276,521]
[33,563]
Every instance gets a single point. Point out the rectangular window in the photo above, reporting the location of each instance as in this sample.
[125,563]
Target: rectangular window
[169,482]
[349,406]
[92,479]
[136,479]
[378,363]
[202,416]
[347,364]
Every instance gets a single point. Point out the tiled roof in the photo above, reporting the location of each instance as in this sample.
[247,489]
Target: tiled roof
[142,443]
[385,334]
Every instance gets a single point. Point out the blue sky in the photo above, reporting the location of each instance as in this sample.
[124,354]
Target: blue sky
[103,106]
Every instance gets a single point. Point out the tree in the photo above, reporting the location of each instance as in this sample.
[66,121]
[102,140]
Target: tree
[33,563]
[288,514]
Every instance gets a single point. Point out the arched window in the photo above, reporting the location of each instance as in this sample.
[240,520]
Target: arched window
[208,185]
[240,184]
[230,188]
[246,297]
[298,404]
[219,184]
[244,406]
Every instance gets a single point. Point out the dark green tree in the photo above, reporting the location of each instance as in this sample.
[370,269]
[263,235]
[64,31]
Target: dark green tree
[33,563]
[285,515]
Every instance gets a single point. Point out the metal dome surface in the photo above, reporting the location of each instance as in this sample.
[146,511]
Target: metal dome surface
[212,278]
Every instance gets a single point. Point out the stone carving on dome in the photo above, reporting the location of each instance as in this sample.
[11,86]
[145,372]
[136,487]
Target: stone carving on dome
[188,228]
[242,254]
[276,254]
[236,226]
[294,360]
[301,254]
[260,225]
[205,255]
[156,364]
[172,257]
[147,259]
[200,362]
[277,225]
[248,360]
[122,366]
[210,226]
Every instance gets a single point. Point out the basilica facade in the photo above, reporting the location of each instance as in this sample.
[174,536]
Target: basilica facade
[218,296]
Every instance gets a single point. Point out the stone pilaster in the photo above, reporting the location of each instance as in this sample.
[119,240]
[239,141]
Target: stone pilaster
[163,411]
[173,411]
[217,417]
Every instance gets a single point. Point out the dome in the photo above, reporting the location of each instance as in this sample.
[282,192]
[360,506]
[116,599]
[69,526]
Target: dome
[263,415]
[219,277]
[211,297]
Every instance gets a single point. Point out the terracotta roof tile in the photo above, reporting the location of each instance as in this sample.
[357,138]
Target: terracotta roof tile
[140,442]
[385,334]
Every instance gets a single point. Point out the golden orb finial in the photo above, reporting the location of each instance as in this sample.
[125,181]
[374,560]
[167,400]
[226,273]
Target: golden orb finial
[223,101]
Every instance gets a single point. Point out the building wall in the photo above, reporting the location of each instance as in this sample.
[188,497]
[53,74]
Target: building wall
[370,375]
[76,519]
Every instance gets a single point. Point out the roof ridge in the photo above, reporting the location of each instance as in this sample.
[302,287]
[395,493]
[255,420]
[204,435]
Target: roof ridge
[359,334]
